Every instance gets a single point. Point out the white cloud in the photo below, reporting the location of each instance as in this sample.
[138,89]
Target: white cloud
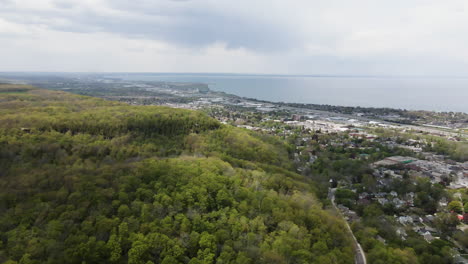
[299,36]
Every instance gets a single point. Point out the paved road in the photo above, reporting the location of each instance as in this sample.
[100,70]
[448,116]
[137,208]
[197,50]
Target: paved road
[360,257]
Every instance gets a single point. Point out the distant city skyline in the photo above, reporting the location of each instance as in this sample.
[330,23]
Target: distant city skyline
[338,37]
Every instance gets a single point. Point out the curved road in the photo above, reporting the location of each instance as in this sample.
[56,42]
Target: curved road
[360,257]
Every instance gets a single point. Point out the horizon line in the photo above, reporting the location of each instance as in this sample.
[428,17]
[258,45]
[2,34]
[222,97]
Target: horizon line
[317,75]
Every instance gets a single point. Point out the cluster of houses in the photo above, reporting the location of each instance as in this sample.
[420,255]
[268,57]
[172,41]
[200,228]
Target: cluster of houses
[449,173]
[385,198]
[348,214]
[419,224]
[384,174]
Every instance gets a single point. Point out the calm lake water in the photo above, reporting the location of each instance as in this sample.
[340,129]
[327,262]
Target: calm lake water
[438,94]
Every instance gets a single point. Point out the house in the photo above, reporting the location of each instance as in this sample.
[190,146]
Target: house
[428,218]
[363,195]
[381,194]
[398,203]
[424,230]
[404,220]
[352,216]
[381,239]
[401,233]
[409,198]
[382,201]
[428,237]
[342,208]
[417,219]
[364,156]
[312,159]
[430,229]
[443,202]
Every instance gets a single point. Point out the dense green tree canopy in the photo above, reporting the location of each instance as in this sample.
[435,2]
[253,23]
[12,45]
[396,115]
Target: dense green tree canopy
[83,180]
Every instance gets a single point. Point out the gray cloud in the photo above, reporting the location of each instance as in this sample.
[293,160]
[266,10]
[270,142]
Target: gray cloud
[178,24]
[63,4]
[300,36]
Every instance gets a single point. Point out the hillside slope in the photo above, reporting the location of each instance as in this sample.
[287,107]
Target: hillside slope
[83,180]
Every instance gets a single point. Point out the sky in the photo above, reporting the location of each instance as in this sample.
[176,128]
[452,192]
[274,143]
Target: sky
[360,37]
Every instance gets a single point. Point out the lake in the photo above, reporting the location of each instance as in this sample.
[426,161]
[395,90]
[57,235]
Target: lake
[436,94]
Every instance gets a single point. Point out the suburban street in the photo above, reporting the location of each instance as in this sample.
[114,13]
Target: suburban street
[360,257]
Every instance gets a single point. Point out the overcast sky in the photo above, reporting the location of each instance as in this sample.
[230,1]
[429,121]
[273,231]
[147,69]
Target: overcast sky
[398,37]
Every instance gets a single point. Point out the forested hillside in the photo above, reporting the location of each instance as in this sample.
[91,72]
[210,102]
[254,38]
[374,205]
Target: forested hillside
[83,180]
